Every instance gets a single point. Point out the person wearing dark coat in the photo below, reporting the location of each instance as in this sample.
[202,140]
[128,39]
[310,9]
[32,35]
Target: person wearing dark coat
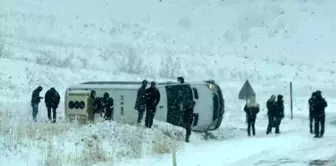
[270,104]
[188,118]
[140,103]
[107,103]
[180,79]
[319,114]
[251,109]
[91,107]
[35,100]
[311,102]
[152,101]
[52,100]
[278,113]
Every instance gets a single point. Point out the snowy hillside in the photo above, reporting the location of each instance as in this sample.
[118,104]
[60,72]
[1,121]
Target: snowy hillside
[59,43]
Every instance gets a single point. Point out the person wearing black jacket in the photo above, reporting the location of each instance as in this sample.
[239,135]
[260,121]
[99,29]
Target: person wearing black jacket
[311,102]
[251,109]
[152,100]
[107,103]
[140,103]
[91,106]
[180,79]
[188,118]
[52,100]
[319,114]
[270,104]
[35,100]
[278,113]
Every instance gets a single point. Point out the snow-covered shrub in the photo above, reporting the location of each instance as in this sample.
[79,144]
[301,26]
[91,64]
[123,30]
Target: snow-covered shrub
[3,53]
[162,144]
[70,144]
[170,67]
[2,45]
[122,57]
[49,57]
[173,132]
[93,151]
[51,158]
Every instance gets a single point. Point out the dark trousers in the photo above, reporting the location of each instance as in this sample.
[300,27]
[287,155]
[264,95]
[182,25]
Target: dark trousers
[319,121]
[251,126]
[187,125]
[53,118]
[311,121]
[141,114]
[150,114]
[35,110]
[109,114]
[188,132]
[270,124]
[277,122]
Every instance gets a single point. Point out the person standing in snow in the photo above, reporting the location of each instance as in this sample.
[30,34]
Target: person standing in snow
[251,109]
[278,113]
[91,106]
[270,104]
[319,114]
[311,102]
[180,79]
[140,103]
[153,99]
[188,118]
[35,100]
[108,106]
[52,100]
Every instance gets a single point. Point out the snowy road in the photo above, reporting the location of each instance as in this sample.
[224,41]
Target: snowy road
[294,147]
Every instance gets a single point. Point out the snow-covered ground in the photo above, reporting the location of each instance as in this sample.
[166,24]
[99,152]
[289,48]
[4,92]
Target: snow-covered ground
[59,43]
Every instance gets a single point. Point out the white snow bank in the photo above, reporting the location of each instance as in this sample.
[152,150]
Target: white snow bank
[71,144]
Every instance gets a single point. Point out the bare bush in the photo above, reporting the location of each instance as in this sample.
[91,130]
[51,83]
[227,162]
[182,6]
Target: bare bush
[51,158]
[3,53]
[93,151]
[162,144]
[124,58]
[50,58]
[170,67]
[104,142]
[173,132]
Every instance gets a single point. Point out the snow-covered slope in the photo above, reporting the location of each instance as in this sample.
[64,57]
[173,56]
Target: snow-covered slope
[270,43]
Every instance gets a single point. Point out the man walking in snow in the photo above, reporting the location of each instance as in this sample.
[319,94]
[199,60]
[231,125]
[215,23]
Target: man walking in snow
[108,106]
[140,104]
[91,106]
[251,109]
[278,113]
[153,99]
[52,100]
[319,114]
[35,100]
[311,102]
[270,104]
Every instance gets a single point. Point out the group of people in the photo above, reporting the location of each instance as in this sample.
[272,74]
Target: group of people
[148,100]
[51,99]
[103,106]
[275,113]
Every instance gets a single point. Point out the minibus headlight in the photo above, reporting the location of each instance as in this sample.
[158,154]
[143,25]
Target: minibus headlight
[211,86]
